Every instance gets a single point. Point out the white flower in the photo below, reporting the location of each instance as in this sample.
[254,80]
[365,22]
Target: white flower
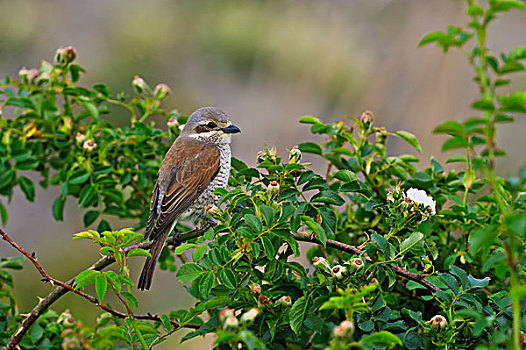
[80,137]
[421,197]
[321,263]
[250,315]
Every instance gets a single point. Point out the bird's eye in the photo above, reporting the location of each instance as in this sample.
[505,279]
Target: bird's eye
[211,125]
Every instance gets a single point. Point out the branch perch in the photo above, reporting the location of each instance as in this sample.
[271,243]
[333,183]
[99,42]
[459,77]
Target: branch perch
[64,287]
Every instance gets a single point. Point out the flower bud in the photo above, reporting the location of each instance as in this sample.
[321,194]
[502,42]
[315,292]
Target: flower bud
[355,265]
[284,301]
[139,85]
[321,263]
[295,154]
[390,197]
[225,313]
[23,73]
[161,91]
[438,321]
[44,77]
[255,288]
[32,75]
[261,156]
[250,315]
[345,329]
[273,189]
[65,55]
[172,123]
[80,137]
[366,118]
[338,271]
[263,301]
[212,210]
[89,145]
[66,319]
[230,322]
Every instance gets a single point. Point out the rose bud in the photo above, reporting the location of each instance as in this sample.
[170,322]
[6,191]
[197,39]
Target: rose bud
[321,263]
[250,315]
[23,73]
[139,85]
[284,301]
[89,145]
[346,328]
[161,91]
[273,189]
[338,271]
[172,123]
[230,322]
[295,154]
[255,288]
[80,137]
[212,210]
[261,156]
[366,118]
[32,75]
[225,313]
[263,301]
[438,321]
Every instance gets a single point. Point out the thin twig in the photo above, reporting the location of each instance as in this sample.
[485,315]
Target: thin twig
[352,249]
[64,287]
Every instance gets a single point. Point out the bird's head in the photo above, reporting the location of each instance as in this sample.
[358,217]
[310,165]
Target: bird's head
[211,125]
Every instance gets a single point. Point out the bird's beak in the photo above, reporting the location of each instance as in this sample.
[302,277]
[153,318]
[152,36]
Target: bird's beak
[231,129]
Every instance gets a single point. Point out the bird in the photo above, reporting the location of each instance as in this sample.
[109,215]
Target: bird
[196,164]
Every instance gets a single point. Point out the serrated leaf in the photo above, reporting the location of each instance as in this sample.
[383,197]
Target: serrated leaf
[227,278]
[78,177]
[297,314]
[254,222]
[268,214]
[409,138]
[85,278]
[206,283]
[410,242]
[184,247]
[268,247]
[383,244]
[188,272]
[101,285]
[27,187]
[138,252]
[198,253]
[345,175]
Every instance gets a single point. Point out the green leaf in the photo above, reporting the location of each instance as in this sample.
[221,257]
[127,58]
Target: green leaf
[410,242]
[91,109]
[268,214]
[254,222]
[206,283]
[27,186]
[454,143]
[450,127]
[101,285]
[310,147]
[188,272]
[383,244]
[316,228]
[227,278]
[345,175]
[3,214]
[85,278]
[138,252]
[35,333]
[329,219]
[457,158]
[270,252]
[329,197]
[184,247]
[297,314]
[78,177]
[409,138]
[309,119]
[58,208]
[380,339]
[87,194]
[90,216]
[198,253]
[431,37]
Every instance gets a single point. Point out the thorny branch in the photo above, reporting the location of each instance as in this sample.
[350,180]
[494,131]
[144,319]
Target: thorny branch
[64,287]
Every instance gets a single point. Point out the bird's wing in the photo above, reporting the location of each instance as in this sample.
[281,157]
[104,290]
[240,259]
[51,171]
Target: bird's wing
[193,166]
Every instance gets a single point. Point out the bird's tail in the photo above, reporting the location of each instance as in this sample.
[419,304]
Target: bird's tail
[145,281]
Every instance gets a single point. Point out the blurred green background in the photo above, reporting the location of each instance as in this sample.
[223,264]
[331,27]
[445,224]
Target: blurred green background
[266,63]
